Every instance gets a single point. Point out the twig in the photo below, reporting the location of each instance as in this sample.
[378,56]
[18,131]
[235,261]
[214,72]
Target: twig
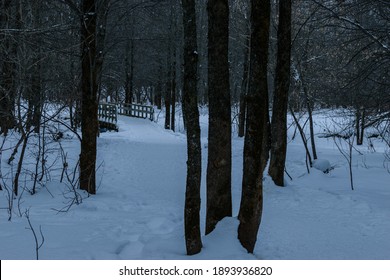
[285,171]
[38,244]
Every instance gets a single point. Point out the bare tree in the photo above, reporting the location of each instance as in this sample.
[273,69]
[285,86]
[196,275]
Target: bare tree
[282,84]
[219,200]
[191,115]
[92,36]
[251,206]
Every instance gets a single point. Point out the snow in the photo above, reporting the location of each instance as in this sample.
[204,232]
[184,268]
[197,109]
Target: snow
[322,165]
[138,210]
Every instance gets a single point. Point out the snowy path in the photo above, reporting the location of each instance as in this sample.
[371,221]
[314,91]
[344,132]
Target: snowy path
[139,202]
[137,212]
[144,187]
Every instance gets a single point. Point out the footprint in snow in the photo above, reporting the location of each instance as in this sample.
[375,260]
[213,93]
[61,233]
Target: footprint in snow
[161,225]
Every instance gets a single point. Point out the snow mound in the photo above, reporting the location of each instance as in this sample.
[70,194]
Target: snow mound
[322,165]
[223,243]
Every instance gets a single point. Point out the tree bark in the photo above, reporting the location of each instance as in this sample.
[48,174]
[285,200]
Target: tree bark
[36,95]
[219,200]
[89,105]
[167,99]
[363,124]
[129,67]
[158,94]
[191,115]
[255,142]
[173,95]
[244,90]
[360,123]
[282,84]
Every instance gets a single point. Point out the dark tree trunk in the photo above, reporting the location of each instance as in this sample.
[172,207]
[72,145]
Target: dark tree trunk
[256,127]
[311,125]
[360,123]
[89,121]
[244,90]
[70,108]
[282,84]
[357,125]
[138,93]
[167,99]
[36,76]
[168,88]
[152,95]
[20,164]
[363,124]
[191,115]
[173,95]
[77,113]
[219,166]
[158,94]
[36,98]
[73,100]
[129,61]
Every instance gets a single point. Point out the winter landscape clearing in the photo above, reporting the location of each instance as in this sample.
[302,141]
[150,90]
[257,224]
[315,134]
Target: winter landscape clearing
[138,210]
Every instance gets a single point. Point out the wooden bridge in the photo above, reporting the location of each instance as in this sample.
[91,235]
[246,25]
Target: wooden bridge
[108,113]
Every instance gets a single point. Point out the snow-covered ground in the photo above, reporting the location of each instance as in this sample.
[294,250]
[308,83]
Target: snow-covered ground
[138,210]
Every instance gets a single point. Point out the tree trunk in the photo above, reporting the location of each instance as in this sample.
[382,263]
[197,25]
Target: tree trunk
[152,95]
[129,66]
[363,124]
[244,90]
[311,124]
[158,95]
[357,125]
[173,95]
[256,126]
[360,123]
[191,115]
[282,84]
[20,164]
[36,75]
[89,105]
[219,200]
[167,99]
[36,98]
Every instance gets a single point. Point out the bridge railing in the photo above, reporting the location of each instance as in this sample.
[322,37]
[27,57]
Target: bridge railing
[108,113]
[108,116]
[136,110]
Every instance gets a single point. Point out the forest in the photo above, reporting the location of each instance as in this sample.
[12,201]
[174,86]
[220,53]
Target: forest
[170,129]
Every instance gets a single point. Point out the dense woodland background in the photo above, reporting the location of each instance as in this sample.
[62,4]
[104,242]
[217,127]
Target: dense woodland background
[246,61]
